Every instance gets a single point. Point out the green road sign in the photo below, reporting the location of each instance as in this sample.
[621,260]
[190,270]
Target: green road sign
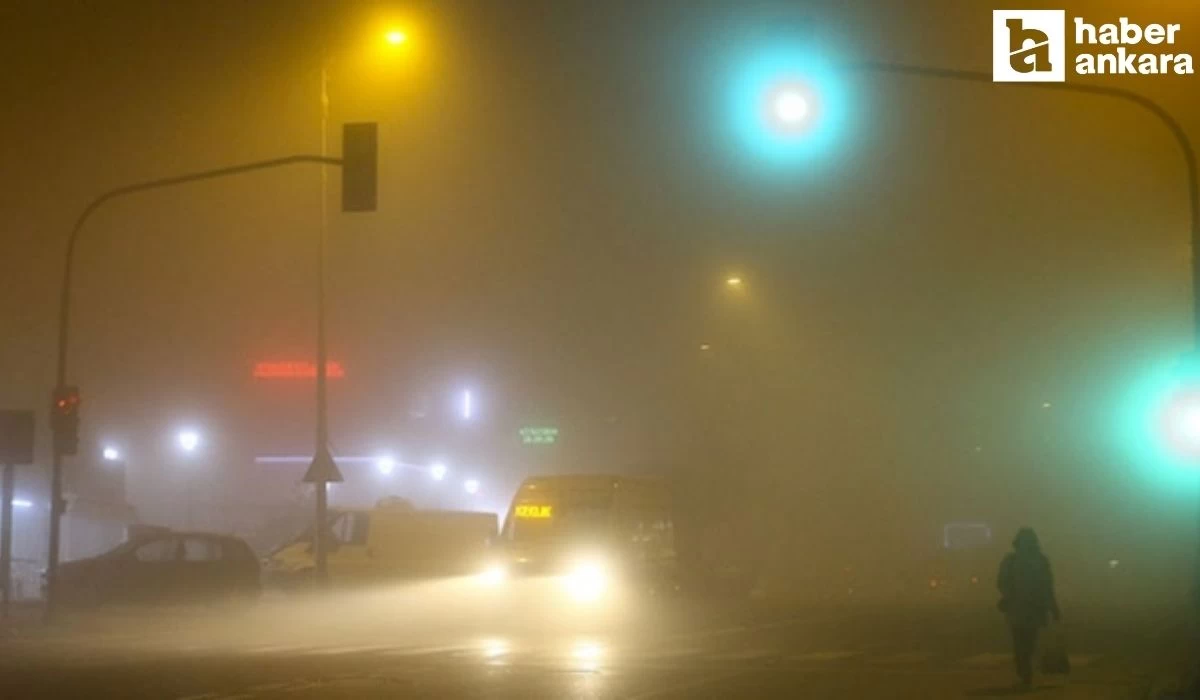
[538,435]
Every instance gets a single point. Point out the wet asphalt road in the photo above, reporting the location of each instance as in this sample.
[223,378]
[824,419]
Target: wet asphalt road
[439,642]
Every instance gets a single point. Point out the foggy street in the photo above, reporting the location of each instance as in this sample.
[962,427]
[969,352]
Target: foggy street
[406,643]
[599,349]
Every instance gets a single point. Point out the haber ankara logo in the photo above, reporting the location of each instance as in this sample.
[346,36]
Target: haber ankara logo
[1029,46]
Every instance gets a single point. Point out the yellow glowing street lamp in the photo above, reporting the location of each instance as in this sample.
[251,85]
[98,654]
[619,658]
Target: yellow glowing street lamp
[395,37]
[734,282]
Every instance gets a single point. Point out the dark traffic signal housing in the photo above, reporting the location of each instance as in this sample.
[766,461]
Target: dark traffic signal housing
[359,166]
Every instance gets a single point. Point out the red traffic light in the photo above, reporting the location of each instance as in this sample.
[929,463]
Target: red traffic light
[64,419]
[66,399]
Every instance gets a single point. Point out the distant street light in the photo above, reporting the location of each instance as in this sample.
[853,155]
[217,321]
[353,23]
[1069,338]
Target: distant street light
[471,485]
[734,282]
[22,503]
[188,440]
[111,454]
[438,471]
[467,406]
[386,464]
[395,37]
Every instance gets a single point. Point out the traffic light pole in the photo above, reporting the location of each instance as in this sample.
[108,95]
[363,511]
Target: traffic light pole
[1165,117]
[1177,132]
[64,315]
[320,546]
[7,491]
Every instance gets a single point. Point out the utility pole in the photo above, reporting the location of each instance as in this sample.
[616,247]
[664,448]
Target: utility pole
[6,520]
[323,468]
[1173,127]
[358,169]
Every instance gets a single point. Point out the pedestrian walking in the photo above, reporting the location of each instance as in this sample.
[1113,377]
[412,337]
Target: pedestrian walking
[1027,599]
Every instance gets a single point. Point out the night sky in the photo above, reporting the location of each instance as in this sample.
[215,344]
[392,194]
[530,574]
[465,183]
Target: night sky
[558,215]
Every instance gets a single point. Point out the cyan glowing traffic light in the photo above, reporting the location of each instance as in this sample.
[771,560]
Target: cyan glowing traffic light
[1158,424]
[1180,423]
[785,103]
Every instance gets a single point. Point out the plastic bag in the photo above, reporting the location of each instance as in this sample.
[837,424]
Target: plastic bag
[1054,654]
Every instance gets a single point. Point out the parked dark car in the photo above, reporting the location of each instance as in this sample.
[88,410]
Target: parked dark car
[163,567]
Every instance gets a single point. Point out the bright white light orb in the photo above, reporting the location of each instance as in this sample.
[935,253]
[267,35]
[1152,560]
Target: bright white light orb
[791,107]
[188,440]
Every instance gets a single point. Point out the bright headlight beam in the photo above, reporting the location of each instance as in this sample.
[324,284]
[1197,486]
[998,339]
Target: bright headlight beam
[494,648]
[586,581]
[493,576]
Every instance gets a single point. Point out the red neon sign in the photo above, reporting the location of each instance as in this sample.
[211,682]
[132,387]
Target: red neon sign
[296,370]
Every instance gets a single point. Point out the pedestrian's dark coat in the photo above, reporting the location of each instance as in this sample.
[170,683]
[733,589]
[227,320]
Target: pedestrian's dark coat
[1026,583]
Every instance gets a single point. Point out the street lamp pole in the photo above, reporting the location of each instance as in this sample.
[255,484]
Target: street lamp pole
[1165,117]
[320,549]
[64,316]
[1172,125]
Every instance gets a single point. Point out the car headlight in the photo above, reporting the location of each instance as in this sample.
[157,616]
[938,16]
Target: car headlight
[587,581]
[493,575]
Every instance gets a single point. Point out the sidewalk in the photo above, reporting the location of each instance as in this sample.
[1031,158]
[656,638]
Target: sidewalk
[1079,686]
[24,618]
[1175,686]
[1176,676]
